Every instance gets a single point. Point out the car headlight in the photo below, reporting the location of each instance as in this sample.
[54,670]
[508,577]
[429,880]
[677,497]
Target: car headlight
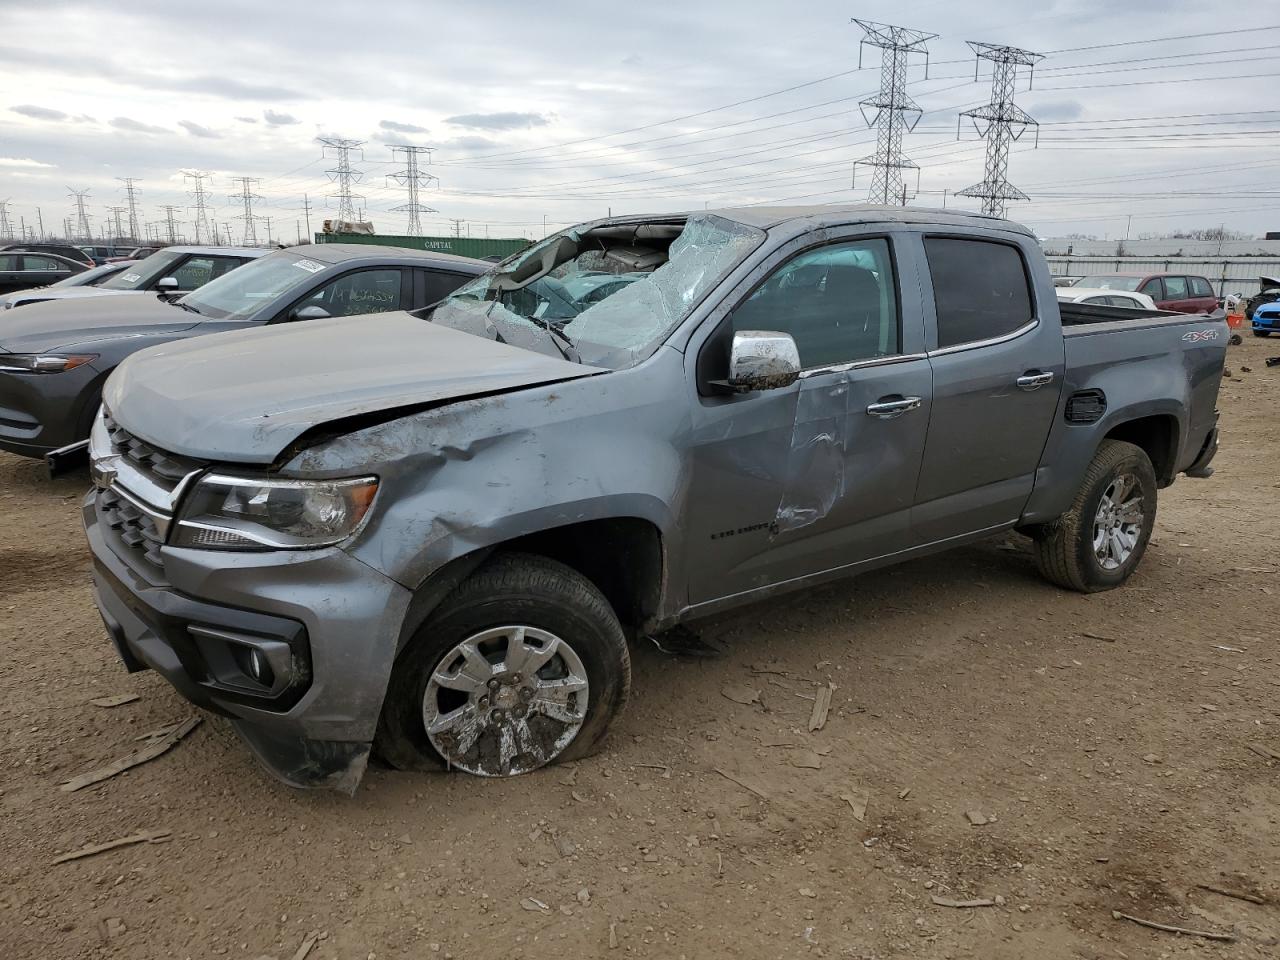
[244,513]
[43,362]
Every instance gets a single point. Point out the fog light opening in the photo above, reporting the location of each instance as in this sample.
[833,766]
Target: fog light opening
[259,668]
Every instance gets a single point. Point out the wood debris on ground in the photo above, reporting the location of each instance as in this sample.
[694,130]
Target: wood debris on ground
[144,836]
[821,706]
[806,760]
[306,946]
[857,798]
[119,700]
[740,693]
[153,749]
[1169,928]
[1234,894]
[962,904]
[742,783]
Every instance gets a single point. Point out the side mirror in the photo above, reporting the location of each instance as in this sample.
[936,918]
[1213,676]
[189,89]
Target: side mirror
[310,312]
[763,360]
[167,284]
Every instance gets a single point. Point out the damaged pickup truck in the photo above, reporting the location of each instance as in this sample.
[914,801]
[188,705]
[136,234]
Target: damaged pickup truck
[430,535]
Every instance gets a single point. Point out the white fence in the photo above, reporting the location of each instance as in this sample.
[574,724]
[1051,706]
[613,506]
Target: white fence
[1227,274]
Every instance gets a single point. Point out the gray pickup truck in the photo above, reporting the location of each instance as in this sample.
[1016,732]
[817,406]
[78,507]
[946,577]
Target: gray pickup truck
[432,541]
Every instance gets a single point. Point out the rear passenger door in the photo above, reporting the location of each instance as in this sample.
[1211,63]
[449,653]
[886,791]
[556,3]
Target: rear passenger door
[1202,295]
[997,373]
[1178,295]
[10,273]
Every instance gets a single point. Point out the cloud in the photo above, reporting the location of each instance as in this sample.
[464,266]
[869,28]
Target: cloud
[499,121]
[137,126]
[22,162]
[632,61]
[198,131]
[401,127]
[247,119]
[469,143]
[39,113]
[279,119]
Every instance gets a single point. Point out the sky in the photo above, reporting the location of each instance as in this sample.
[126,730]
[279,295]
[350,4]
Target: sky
[543,115]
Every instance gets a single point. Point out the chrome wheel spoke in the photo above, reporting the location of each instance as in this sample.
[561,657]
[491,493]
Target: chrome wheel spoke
[471,676]
[523,658]
[558,711]
[1130,511]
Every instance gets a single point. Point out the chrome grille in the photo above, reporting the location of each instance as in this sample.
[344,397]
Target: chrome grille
[166,468]
[136,530]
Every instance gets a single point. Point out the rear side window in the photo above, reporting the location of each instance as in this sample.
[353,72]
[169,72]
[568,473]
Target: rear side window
[980,289]
[1200,287]
[1175,288]
[439,285]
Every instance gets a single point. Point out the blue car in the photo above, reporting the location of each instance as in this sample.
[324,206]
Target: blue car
[1266,319]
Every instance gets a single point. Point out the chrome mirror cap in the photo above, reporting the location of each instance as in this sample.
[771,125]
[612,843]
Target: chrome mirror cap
[763,360]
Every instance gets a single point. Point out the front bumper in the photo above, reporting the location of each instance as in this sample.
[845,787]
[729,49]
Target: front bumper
[325,623]
[42,412]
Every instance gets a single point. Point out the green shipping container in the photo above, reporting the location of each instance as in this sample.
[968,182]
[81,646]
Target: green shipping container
[478,247]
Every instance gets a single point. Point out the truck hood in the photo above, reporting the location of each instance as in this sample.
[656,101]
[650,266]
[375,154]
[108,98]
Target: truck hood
[245,396]
[45,326]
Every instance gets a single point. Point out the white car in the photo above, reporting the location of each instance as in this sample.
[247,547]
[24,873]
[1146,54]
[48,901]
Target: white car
[1106,298]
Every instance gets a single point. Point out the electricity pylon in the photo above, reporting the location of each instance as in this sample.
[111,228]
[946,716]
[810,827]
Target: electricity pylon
[82,215]
[200,206]
[342,173]
[412,178]
[6,230]
[247,196]
[131,198]
[115,219]
[1001,115]
[890,108]
[170,225]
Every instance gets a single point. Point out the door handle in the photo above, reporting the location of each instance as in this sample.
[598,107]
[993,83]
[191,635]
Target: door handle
[1034,381]
[888,409]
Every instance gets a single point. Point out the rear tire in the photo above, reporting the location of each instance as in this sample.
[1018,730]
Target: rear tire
[556,608]
[1260,333]
[1099,542]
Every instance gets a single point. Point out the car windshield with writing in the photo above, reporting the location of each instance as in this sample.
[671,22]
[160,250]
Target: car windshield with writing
[238,295]
[605,295]
[141,275]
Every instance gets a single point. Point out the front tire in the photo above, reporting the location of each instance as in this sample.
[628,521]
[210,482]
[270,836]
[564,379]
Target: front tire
[524,664]
[1099,542]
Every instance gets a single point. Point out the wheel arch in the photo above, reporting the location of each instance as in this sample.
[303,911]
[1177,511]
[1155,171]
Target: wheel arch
[1159,435]
[624,557]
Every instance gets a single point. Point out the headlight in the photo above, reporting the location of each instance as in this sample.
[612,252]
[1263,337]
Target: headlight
[42,362]
[243,513]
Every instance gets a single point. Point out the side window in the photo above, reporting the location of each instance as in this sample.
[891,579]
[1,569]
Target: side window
[839,302]
[366,291]
[41,263]
[1175,288]
[8,261]
[1200,287]
[1104,301]
[1152,289]
[194,272]
[980,289]
[440,285]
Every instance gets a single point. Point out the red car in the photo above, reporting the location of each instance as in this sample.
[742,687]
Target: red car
[1171,291]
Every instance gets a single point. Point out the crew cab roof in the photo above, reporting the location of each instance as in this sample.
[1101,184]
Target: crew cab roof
[833,214]
[217,251]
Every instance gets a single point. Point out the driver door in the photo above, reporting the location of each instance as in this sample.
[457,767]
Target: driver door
[819,475]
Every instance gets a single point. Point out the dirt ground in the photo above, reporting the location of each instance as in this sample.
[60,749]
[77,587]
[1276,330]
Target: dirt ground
[1104,739]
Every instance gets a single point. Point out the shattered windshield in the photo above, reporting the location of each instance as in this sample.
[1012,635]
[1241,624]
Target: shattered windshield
[605,296]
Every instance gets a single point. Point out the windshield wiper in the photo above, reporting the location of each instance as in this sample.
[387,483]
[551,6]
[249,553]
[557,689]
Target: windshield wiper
[558,337]
[186,306]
